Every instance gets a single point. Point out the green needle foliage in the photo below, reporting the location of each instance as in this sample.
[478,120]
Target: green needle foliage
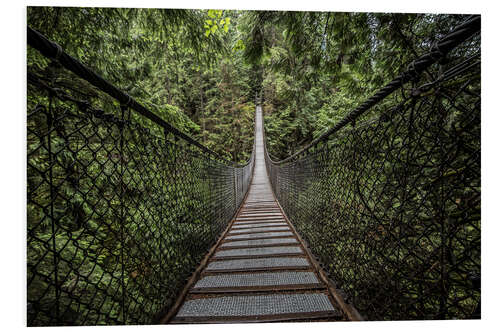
[201,71]
[180,63]
[318,66]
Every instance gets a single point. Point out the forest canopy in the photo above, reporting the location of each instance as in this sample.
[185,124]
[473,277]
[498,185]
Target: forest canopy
[122,208]
[201,69]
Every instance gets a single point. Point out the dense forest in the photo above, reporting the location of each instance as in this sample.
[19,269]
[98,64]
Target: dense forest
[201,69]
[121,211]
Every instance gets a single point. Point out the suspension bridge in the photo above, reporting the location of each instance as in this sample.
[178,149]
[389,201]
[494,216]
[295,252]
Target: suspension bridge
[260,269]
[131,221]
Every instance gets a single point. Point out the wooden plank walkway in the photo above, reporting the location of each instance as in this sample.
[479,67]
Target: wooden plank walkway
[260,270]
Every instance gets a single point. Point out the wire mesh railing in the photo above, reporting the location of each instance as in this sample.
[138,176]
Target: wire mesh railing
[391,205]
[121,206]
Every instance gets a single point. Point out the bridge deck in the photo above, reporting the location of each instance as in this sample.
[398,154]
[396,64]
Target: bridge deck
[260,270]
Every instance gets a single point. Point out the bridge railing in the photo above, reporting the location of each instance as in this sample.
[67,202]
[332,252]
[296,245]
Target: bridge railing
[391,206]
[121,206]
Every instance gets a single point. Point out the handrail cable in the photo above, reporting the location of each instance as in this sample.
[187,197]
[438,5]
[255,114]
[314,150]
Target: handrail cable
[54,51]
[392,205]
[120,213]
[438,51]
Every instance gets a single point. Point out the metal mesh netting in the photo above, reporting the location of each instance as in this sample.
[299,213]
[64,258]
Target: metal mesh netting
[391,205]
[120,213]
